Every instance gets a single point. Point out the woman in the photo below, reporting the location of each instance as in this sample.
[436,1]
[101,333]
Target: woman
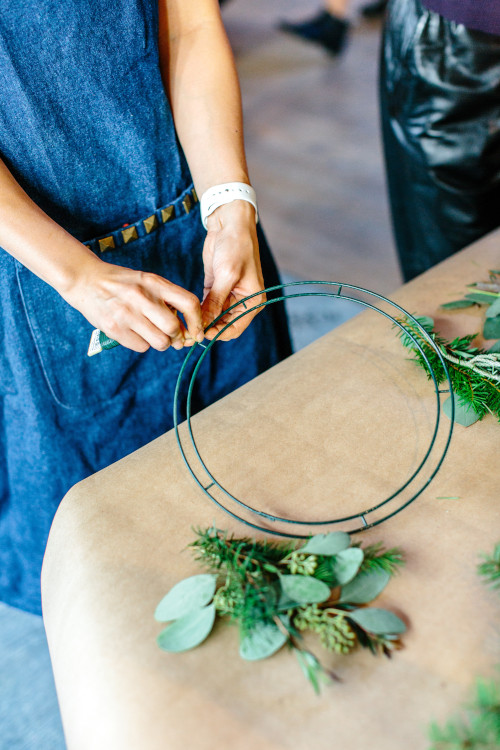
[99,228]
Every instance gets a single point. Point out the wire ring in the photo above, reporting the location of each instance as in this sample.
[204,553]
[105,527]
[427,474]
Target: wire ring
[329,522]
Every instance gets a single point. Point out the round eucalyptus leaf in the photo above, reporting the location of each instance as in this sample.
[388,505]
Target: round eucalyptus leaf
[327,544]
[481,297]
[285,603]
[347,564]
[377,621]
[304,589]
[464,414]
[187,595]
[261,641]
[494,309]
[491,328]
[365,587]
[188,631]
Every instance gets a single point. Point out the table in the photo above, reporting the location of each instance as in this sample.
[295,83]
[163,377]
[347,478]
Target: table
[334,426]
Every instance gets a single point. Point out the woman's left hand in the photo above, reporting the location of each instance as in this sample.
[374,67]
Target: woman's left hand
[232,268]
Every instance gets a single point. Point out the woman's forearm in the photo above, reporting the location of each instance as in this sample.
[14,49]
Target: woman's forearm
[199,72]
[38,242]
[133,307]
[200,76]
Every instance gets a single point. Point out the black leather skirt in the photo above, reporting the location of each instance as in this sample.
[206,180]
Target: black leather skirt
[440,108]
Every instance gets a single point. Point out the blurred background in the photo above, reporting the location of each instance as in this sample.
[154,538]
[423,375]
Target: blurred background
[314,151]
[313,144]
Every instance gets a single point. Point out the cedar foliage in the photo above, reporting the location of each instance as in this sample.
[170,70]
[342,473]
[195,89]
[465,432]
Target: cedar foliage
[478,728]
[474,372]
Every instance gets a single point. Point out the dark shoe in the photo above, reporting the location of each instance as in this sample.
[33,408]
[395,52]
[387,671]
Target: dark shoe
[324,29]
[374,9]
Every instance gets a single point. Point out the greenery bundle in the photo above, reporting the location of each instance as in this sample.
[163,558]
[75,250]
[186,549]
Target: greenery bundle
[479,727]
[276,592]
[474,372]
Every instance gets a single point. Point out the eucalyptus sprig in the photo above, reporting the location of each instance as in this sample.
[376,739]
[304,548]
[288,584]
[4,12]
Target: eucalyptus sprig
[474,372]
[277,591]
[483,293]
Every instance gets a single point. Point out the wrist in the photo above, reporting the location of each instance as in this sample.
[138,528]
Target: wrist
[80,264]
[237,214]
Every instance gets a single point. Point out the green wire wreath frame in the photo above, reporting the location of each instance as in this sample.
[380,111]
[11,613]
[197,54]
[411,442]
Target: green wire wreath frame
[338,293]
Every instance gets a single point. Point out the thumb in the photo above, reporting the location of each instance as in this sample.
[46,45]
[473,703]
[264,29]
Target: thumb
[215,302]
[213,305]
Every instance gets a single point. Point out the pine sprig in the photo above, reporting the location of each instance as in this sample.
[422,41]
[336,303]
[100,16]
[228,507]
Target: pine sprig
[489,569]
[474,372]
[218,550]
[478,729]
[378,558]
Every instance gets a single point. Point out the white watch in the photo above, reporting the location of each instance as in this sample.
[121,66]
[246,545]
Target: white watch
[226,193]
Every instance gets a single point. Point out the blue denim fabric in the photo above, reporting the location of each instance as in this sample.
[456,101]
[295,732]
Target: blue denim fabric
[84,113]
[86,128]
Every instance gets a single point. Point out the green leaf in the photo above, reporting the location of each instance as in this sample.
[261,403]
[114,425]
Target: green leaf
[312,669]
[494,309]
[365,587]
[464,414]
[187,595]
[491,329]
[347,564]
[188,631]
[495,348]
[285,603]
[261,641]
[304,589]
[377,621]
[482,298]
[327,544]
[457,304]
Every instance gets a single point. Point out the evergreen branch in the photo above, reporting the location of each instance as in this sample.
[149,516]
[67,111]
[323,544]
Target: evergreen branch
[490,568]
[378,558]
[474,372]
[479,729]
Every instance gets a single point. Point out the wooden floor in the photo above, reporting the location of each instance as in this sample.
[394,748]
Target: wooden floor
[313,144]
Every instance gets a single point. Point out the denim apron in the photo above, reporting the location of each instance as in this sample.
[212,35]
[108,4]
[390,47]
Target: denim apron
[86,129]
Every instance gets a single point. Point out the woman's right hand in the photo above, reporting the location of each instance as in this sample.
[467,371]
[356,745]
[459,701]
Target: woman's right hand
[136,308]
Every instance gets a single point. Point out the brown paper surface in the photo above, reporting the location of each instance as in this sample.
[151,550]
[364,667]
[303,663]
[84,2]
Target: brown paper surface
[331,432]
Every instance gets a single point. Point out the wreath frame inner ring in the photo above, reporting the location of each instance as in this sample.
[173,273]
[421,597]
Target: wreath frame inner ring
[365,524]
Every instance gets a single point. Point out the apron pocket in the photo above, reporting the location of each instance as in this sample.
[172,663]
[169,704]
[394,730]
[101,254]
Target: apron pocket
[61,337]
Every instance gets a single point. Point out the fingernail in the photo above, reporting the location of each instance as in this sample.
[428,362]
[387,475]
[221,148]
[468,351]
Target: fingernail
[188,342]
[200,337]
